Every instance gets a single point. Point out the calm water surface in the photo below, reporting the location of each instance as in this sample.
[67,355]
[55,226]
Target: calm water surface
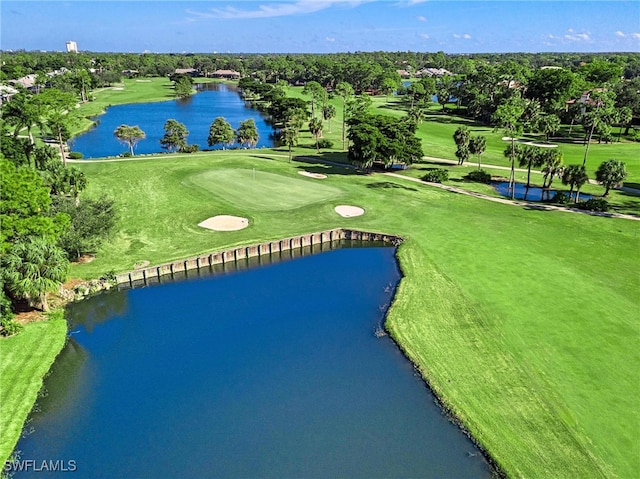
[197,113]
[532,193]
[268,372]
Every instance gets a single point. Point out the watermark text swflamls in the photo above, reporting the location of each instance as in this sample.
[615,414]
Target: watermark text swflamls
[48,465]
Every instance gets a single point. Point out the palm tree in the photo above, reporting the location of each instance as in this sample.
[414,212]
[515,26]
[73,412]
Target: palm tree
[345,90]
[461,137]
[575,176]
[328,112]
[625,115]
[611,173]
[33,267]
[477,145]
[315,90]
[23,113]
[552,167]
[529,156]
[315,127]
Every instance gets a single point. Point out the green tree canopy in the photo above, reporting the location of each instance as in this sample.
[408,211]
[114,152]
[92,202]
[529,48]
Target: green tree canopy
[24,202]
[611,173]
[92,221]
[175,136]
[129,135]
[247,133]
[32,267]
[221,133]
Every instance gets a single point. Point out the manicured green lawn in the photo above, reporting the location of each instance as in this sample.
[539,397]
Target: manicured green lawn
[26,358]
[525,322]
[252,190]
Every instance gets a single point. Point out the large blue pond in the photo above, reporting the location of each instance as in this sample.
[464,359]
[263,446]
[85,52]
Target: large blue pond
[269,372]
[196,112]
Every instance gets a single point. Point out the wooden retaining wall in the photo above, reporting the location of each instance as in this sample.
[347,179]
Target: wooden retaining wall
[293,246]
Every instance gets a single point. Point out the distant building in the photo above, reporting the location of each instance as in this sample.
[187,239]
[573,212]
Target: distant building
[433,72]
[228,74]
[72,47]
[192,72]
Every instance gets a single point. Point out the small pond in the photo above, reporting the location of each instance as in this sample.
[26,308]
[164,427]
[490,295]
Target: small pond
[272,371]
[533,193]
[196,112]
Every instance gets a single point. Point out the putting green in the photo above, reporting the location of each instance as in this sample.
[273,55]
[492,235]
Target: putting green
[263,191]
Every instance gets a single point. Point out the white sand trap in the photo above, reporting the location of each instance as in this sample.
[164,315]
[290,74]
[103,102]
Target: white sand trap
[225,223]
[349,211]
[143,81]
[319,176]
[117,88]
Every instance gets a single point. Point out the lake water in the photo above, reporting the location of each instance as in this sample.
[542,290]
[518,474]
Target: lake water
[268,372]
[196,112]
[533,193]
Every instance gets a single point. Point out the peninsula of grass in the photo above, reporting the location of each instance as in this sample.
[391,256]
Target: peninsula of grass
[26,359]
[524,322]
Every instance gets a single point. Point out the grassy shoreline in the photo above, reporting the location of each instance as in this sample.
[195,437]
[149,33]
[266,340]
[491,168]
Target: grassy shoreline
[26,360]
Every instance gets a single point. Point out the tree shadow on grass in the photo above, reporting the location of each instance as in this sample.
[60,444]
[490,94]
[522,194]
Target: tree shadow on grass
[446,119]
[389,184]
[324,169]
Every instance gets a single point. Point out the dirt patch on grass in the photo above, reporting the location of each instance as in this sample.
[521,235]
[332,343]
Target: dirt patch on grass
[347,211]
[225,223]
[318,176]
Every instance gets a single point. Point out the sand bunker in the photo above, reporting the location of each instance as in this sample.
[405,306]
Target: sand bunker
[349,211]
[225,223]
[319,176]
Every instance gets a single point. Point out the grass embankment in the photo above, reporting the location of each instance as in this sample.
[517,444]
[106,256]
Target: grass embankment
[26,359]
[524,322]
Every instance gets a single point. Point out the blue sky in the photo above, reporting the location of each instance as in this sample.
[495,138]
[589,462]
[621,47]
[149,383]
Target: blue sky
[322,26]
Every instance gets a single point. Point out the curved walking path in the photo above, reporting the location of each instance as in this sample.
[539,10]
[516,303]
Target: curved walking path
[453,189]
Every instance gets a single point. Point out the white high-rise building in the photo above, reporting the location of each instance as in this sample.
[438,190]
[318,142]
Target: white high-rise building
[72,47]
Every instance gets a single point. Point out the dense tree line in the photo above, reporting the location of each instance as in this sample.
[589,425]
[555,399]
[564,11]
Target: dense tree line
[44,220]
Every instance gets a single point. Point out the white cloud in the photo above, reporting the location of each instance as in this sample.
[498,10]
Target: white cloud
[422,18]
[634,35]
[330,39]
[273,9]
[466,36]
[425,36]
[571,36]
[577,37]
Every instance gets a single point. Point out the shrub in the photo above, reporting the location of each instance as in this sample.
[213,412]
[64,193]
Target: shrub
[561,198]
[324,143]
[76,155]
[190,149]
[127,154]
[436,176]
[594,204]
[479,176]
[9,327]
